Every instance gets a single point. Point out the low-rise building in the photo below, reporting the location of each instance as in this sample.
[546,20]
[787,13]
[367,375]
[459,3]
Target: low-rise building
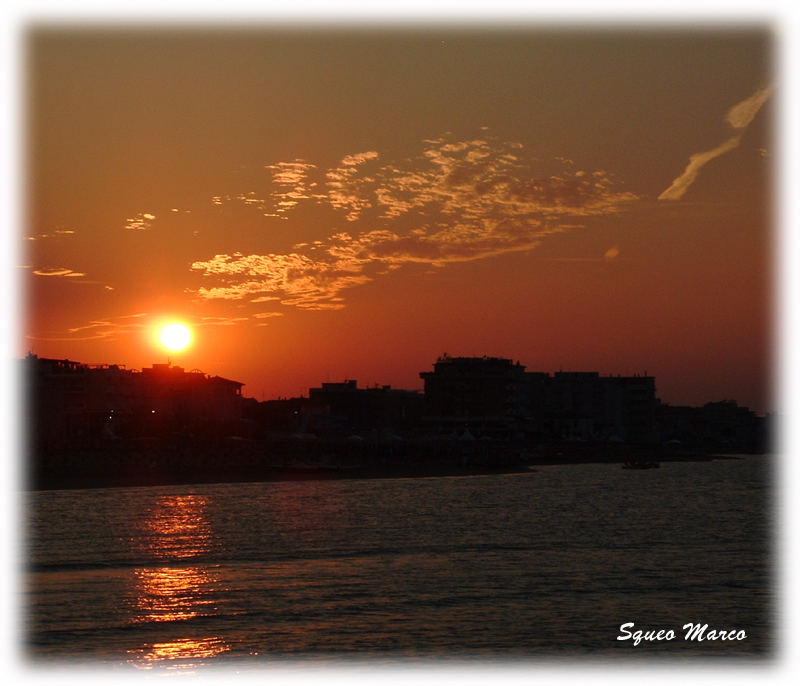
[73,403]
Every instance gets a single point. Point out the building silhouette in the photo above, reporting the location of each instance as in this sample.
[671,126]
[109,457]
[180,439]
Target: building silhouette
[720,425]
[497,398]
[485,396]
[72,405]
[379,410]
[75,404]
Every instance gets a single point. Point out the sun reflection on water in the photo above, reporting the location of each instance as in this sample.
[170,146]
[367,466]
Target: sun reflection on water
[167,594]
[175,529]
[179,654]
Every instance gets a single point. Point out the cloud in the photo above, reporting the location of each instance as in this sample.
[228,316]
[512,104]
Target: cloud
[346,189]
[250,198]
[141,222]
[220,321]
[696,163]
[300,280]
[456,201]
[291,184]
[55,234]
[66,273]
[738,117]
[96,329]
[124,325]
[91,325]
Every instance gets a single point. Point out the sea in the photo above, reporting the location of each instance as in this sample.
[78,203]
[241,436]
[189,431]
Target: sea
[545,565]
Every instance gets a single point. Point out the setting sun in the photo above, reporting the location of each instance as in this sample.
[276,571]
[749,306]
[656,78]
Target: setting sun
[283,289]
[175,336]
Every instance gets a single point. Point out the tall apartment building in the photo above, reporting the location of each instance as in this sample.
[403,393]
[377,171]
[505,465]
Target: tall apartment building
[498,398]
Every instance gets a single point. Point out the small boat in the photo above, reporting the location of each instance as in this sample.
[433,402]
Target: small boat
[640,464]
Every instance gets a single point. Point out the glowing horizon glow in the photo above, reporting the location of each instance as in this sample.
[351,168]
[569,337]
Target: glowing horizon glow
[175,336]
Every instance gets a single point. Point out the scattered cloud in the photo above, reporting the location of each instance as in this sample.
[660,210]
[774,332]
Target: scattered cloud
[738,117]
[291,184]
[346,188]
[250,198]
[302,281]
[141,222]
[456,201]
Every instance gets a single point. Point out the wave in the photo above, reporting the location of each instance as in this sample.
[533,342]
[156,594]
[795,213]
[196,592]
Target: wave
[280,557]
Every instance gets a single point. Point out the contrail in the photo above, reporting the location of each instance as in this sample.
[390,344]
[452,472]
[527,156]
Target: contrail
[738,117]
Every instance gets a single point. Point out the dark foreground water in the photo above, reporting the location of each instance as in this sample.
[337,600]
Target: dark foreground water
[541,565]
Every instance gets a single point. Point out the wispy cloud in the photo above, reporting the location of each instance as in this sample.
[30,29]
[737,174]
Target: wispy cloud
[58,271]
[112,327]
[738,117]
[220,321]
[108,328]
[454,202]
[91,325]
[55,234]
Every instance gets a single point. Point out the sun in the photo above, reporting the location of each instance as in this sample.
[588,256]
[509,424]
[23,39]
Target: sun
[175,336]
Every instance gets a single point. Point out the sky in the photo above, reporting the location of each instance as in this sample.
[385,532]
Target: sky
[322,203]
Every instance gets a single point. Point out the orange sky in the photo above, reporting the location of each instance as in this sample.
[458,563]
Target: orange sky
[324,204]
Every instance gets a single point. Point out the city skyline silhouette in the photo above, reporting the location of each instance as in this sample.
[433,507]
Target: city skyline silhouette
[319,206]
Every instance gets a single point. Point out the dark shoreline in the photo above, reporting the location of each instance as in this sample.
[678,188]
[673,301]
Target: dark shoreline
[165,464]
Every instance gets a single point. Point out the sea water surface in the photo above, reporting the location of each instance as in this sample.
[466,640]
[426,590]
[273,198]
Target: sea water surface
[545,564]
